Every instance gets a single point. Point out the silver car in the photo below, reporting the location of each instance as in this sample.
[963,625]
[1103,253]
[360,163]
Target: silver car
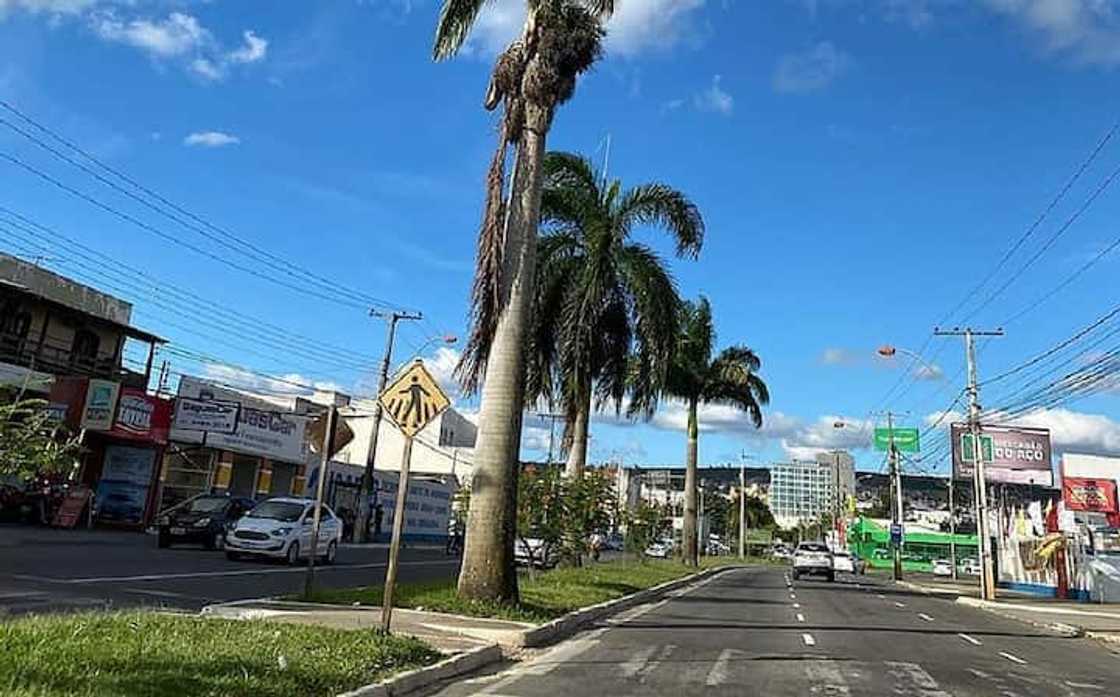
[281,528]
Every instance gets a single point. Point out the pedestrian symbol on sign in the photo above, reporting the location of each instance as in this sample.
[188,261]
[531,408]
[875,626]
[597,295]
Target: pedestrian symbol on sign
[414,399]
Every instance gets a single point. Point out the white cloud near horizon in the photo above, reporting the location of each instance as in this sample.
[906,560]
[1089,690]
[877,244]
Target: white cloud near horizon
[1070,431]
[811,70]
[1088,31]
[210,139]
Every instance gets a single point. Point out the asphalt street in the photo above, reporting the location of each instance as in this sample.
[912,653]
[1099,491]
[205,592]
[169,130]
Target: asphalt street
[43,569]
[755,632]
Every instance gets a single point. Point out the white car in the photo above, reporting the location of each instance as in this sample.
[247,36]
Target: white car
[813,558]
[543,556]
[842,562]
[942,567]
[970,567]
[659,550]
[281,528]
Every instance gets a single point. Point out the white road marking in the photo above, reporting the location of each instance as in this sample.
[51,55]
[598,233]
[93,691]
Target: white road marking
[797,606]
[636,662]
[925,617]
[800,617]
[912,679]
[651,666]
[900,605]
[880,596]
[162,594]
[1083,685]
[1013,658]
[972,640]
[793,596]
[827,679]
[718,674]
[220,574]
[808,639]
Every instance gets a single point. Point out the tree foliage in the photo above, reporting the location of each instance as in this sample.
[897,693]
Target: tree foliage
[644,525]
[31,442]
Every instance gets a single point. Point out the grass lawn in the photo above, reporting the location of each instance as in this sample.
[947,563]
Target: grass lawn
[142,654]
[544,596]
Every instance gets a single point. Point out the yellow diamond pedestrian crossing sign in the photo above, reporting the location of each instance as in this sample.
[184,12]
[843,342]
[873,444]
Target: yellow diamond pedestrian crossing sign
[414,399]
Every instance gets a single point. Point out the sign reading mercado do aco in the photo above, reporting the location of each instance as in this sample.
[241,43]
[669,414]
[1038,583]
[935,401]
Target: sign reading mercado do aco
[1012,455]
[229,420]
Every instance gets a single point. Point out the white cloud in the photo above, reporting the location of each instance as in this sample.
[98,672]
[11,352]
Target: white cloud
[442,367]
[206,69]
[811,70]
[637,25]
[291,384]
[210,139]
[177,35]
[1072,431]
[931,373]
[254,49]
[54,7]
[838,356]
[1086,30]
[914,13]
[715,99]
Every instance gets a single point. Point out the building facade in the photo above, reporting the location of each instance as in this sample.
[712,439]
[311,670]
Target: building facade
[800,492]
[52,326]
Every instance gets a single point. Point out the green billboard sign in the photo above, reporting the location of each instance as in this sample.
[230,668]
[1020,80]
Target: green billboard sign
[905,439]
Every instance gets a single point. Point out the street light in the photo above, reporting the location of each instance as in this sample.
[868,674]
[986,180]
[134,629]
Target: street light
[888,351]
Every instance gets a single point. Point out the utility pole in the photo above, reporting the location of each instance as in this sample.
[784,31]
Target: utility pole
[952,524]
[552,417]
[743,504]
[361,530]
[896,483]
[987,578]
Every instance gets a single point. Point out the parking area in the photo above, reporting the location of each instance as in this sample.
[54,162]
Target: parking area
[46,569]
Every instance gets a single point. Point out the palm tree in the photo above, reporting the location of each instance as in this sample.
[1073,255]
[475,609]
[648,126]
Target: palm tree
[697,377]
[534,75]
[602,298]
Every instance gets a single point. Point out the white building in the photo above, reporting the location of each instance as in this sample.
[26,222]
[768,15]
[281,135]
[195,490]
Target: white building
[444,447]
[802,492]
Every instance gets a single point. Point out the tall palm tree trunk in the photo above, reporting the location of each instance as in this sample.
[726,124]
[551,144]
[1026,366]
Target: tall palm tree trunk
[577,454]
[689,551]
[488,571]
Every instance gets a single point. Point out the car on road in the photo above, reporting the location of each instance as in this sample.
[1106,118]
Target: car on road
[660,549]
[533,551]
[781,552]
[970,567]
[942,567]
[204,519]
[281,528]
[813,558]
[844,562]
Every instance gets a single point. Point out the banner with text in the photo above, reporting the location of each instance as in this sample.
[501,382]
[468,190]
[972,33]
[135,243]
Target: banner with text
[1011,455]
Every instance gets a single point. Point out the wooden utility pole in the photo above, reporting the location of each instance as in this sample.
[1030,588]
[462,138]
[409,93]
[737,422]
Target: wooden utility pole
[365,491]
[987,574]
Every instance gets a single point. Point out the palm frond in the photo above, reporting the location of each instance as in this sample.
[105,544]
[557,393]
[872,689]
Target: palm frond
[664,206]
[654,306]
[733,380]
[456,18]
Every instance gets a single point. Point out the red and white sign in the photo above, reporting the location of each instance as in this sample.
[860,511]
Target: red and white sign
[1086,494]
[141,416]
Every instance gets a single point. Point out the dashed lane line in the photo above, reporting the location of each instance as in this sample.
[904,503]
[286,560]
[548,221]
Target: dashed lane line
[800,617]
[900,605]
[925,617]
[808,639]
[1013,658]
[880,596]
[970,639]
[718,674]
[797,606]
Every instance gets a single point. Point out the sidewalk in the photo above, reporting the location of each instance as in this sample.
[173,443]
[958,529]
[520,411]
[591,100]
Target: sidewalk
[1095,621]
[448,633]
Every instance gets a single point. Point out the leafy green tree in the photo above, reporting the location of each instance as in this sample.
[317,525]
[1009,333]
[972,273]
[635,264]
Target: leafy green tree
[605,318]
[697,375]
[535,74]
[759,516]
[31,442]
[644,525]
[541,513]
[588,506]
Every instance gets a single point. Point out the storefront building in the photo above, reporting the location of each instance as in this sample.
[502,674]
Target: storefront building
[124,432]
[225,440]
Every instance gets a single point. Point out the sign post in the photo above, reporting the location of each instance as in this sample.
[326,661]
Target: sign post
[412,402]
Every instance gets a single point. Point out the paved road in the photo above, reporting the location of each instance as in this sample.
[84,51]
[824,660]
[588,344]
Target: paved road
[43,569]
[750,632]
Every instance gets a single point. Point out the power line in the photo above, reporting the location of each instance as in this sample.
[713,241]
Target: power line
[203,226]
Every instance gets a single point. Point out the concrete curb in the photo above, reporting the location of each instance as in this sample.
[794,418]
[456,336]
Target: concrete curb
[1067,630]
[413,680]
[928,590]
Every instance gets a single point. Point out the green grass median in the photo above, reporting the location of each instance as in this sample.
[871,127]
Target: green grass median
[544,595]
[146,654]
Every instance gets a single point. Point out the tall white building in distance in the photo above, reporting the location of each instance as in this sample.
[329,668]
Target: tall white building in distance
[801,492]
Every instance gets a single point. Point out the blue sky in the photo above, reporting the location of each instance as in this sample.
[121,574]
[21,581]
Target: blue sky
[861,166]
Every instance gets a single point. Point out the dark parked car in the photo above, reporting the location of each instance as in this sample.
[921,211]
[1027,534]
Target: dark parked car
[202,519]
